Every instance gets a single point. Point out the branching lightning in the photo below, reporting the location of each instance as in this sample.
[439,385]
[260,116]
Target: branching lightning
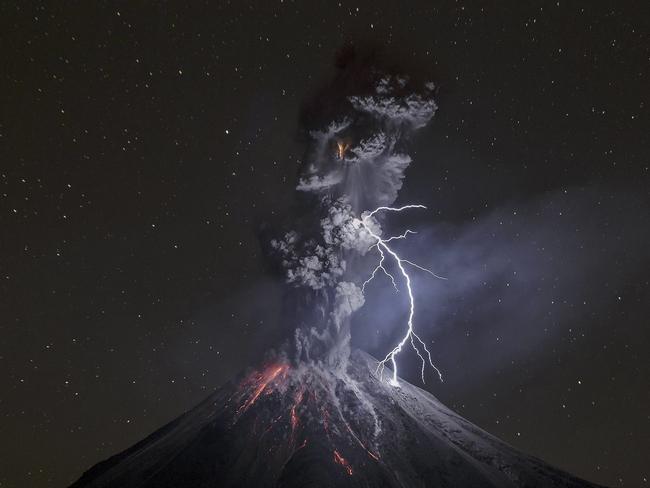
[383,248]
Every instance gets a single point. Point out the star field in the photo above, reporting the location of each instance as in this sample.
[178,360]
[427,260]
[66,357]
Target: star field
[143,147]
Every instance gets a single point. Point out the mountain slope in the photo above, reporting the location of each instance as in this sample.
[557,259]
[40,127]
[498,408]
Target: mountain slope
[304,426]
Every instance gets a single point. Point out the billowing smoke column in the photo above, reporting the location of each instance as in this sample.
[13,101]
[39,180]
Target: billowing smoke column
[353,171]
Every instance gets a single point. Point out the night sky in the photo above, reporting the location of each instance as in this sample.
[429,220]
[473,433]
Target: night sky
[143,147]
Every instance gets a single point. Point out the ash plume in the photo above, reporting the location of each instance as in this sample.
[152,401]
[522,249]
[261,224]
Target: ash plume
[357,131]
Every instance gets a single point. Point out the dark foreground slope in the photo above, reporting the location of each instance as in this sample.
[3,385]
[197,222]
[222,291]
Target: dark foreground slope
[291,427]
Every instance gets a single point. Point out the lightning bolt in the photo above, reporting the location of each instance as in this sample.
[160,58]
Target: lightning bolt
[383,248]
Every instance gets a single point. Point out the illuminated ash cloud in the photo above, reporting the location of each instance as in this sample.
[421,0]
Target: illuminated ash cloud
[308,263]
[362,155]
[341,228]
[319,262]
[414,110]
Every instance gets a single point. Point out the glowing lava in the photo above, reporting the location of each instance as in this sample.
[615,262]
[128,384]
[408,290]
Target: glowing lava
[261,381]
[338,459]
[341,149]
[410,336]
[293,416]
[296,392]
[363,446]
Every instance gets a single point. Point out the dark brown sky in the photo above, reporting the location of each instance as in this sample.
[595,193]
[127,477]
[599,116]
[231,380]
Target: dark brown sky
[142,147]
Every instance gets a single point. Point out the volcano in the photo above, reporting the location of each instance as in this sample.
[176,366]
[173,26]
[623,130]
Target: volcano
[286,426]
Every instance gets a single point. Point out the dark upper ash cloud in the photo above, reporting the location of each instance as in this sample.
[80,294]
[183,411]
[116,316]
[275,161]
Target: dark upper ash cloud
[358,128]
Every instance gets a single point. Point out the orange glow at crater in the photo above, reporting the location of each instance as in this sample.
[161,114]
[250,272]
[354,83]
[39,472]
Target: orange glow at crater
[341,149]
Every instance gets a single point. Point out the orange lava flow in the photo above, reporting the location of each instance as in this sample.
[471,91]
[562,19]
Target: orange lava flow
[338,459]
[269,375]
[363,446]
[294,416]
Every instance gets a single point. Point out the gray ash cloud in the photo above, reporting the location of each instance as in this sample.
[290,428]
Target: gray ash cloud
[357,131]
